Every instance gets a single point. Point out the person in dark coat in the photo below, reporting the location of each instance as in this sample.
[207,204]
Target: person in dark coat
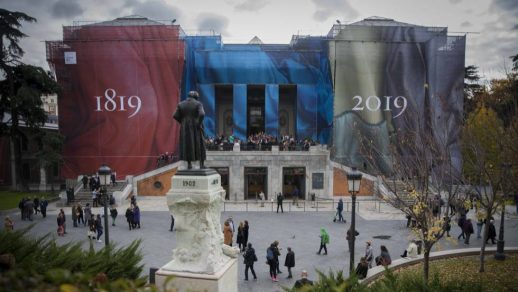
[339,210]
[29,208]
[85,181]
[80,215]
[36,203]
[289,262]
[245,233]
[362,268]
[468,230]
[190,114]
[270,260]
[99,227]
[280,198]
[240,240]
[349,237]
[461,222]
[129,217]
[21,206]
[43,207]
[113,214]
[136,216]
[276,254]
[250,258]
[303,281]
[491,233]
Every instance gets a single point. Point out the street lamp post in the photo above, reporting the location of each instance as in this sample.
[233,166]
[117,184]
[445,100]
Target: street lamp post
[354,179]
[500,243]
[104,173]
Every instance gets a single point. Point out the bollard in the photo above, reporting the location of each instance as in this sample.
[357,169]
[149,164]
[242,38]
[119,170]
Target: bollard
[247,206]
[152,272]
[317,206]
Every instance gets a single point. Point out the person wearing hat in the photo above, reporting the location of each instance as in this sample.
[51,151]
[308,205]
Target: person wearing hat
[369,255]
[190,114]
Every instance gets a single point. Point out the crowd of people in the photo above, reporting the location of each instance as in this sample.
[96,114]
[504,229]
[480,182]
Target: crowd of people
[165,159]
[260,142]
[32,206]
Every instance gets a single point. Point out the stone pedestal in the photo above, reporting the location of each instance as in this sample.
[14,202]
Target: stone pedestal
[224,280]
[198,260]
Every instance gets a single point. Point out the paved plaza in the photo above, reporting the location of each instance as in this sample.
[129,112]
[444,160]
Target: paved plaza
[298,230]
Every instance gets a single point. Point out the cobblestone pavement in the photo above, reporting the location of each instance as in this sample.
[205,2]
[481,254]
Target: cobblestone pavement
[298,230]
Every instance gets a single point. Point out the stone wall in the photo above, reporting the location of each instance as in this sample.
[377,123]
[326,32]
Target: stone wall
[156,185]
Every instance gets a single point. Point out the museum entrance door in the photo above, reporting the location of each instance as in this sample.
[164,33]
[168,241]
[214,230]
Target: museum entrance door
[294,180]
[256,180]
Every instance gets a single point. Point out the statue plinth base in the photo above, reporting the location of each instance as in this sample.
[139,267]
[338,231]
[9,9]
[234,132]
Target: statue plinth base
[225,279]
[198,263]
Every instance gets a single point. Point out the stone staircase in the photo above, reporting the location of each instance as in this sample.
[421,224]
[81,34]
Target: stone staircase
[404,188]
[84,196]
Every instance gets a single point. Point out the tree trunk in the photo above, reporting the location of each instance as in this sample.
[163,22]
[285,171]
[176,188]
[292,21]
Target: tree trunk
[426,264]
[483,247]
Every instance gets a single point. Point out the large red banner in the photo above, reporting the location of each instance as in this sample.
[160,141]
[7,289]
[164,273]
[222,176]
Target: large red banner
[120,87]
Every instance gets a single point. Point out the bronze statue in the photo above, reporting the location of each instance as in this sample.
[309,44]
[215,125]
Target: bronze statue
[189,113]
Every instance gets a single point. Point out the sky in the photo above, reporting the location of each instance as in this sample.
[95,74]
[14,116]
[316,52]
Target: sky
[491,25]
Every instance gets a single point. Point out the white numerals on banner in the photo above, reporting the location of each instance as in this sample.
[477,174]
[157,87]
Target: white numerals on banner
[112,102]
[373,103]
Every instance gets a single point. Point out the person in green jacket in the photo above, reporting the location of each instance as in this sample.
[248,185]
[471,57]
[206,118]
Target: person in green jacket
[324,240]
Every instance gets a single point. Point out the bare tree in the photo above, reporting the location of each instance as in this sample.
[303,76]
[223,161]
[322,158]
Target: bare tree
[422,169]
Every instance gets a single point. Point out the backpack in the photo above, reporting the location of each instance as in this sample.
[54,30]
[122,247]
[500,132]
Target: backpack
[269,254]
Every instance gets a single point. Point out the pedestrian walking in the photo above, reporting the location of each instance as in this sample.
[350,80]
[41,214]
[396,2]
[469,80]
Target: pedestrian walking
[113,214]
[516,200]
[99,227]
[250,259]
[462,220]
[43,207]
[468,230]
[447,225]
[491,233]
[61,223]
[480,223]
[339,210]
[289,262]
[88,212]
[324,240]
[280,198]
[29,209]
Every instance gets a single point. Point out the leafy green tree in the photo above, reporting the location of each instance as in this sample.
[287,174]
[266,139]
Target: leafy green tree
[21,97]
[472,88]
[50,146]
[21,88]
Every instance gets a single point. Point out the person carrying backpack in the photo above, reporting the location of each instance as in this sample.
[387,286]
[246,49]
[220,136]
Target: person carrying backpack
[270,261]
[324,240]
